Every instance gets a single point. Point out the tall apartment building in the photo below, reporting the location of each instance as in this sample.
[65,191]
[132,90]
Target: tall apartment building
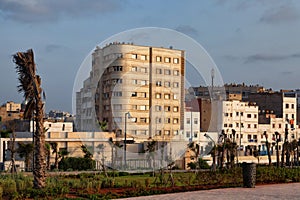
[141,85]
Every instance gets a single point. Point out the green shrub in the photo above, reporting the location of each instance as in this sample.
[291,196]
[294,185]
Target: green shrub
[77,164]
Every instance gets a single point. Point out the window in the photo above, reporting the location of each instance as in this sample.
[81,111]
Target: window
[158,120]
[242,114]
[143,82]
[255,125]
[175,109]
[226,114]
[175,96]
[273,125]
[158,71]
[167,132]
[117,106]
[187,134]
[176,132]
[158,58]
[237,113]
[167,84]
[195,134]
[143,94]
[230,125]
[188,120]
[134,82]
[195,121]
[158,83]
[249,125]
[176,72]
[157,108]
[134,56]
[143,57]
[225,125]
[143,120]
[134,107]
[176,60]
[286,105]
[293,116]
[134,69]
[255,115]
[143,107]
[158,132]
[134,94]
[248,115]
[106,95]
[157,95]
[168,120]
[175,121]
[117,94]
[279,125]
[118,68]
[167,72]
[167,96]
[237,125]
[167,108]
[176,84]
[292,106]
[144,70]
[167,59]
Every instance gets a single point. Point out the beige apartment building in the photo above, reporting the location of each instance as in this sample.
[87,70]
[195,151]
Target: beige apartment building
[141,87]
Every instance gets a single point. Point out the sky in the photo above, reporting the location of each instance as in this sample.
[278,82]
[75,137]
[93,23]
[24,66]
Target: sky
[250,41]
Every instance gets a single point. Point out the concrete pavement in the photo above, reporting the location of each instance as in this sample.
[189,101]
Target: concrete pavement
[290,191]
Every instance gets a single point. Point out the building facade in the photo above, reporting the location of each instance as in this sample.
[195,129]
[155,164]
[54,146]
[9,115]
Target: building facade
[141,87]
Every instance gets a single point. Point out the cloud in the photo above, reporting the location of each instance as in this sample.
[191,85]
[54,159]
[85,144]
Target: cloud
[188,30]
[44,10]
[269,57]
[280,14]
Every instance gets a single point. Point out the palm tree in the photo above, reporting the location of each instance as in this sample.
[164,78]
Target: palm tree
[151,146]
[48,154]
[194,147]
[30,85]
[25,151]
[54,147]
[268,148]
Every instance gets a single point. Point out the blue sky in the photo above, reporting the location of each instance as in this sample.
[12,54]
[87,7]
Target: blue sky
[251,41]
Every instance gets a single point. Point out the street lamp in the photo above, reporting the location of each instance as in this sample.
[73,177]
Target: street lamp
[214,151]
[127,115]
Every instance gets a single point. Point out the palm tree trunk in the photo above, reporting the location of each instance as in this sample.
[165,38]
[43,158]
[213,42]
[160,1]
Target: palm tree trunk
[39,146]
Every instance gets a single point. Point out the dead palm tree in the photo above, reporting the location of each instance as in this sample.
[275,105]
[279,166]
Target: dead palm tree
[30,85]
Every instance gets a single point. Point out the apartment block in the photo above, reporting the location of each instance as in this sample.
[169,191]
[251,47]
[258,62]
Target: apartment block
[140,85]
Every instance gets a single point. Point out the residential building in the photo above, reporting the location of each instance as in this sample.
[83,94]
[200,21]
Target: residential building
[141,85]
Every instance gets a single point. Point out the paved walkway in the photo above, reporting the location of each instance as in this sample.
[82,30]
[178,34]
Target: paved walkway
[290,191]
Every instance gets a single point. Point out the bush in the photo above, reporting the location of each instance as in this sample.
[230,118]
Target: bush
[77,164]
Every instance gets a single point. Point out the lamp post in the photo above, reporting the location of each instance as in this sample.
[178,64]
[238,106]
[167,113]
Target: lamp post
[127,115]
[214,151]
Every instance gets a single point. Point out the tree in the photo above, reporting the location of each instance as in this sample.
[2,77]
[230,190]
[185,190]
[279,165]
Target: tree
[25,151]
[151,153]
[48,154]
[87,153]
[54,147]
[268,148]
[30,85]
